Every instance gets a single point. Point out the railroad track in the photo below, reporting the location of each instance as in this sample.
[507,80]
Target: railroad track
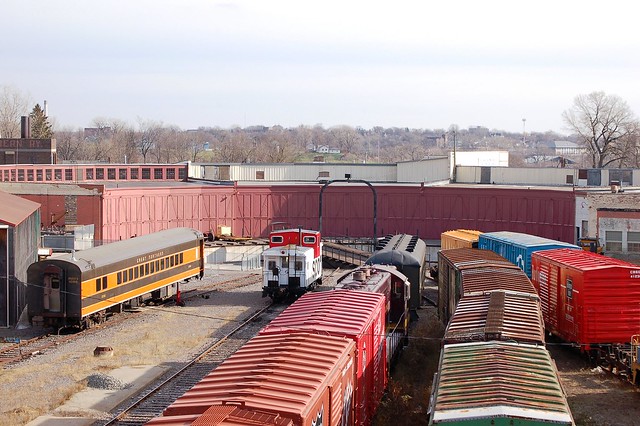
[152,400]
[205,290]
[25,349]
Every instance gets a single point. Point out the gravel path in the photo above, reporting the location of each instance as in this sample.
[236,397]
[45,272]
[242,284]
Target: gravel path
[158,335]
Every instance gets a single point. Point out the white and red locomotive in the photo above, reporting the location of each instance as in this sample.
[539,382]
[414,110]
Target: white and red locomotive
[292,264]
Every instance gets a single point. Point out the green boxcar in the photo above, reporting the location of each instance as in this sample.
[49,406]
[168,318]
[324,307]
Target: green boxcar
[497,383]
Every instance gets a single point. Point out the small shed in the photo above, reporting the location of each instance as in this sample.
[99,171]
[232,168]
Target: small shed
[19,237]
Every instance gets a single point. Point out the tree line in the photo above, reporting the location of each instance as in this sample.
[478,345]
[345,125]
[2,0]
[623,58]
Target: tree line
[602,124]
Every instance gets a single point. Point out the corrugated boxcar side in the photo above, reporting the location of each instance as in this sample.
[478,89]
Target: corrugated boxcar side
[459,238]
[588,298]
[517,247]
[450,264]
[302,376]
[359,316]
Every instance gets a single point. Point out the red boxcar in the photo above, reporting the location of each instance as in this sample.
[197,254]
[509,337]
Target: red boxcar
[225,415]
[587,298]
[300,378]
[359,316]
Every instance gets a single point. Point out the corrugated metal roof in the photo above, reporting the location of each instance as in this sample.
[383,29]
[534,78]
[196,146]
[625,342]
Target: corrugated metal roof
[278,373]
[339,312]
[584,260]
[524,240]
[107,254]
[464,234]
[228,415]
[497,316]
[466,257]
[45,189]
[479,280]
[14,210]
[491,380]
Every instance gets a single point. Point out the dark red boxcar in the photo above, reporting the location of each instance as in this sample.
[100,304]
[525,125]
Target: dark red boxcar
[587,298]
[469,270]
[303,378]
[359,316]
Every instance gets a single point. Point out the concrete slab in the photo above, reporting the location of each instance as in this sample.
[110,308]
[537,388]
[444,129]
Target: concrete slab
[94,402]
[61,421]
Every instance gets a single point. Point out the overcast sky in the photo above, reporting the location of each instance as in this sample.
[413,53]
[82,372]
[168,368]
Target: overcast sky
[418,64]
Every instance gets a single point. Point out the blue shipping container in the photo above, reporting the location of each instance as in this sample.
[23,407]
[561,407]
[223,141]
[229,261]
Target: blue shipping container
[517,247]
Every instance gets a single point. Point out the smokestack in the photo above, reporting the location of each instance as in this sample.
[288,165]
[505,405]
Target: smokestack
[46,110]
[25,127]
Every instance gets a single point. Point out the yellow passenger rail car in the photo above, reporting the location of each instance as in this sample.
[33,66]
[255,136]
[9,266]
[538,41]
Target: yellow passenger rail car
[83,288]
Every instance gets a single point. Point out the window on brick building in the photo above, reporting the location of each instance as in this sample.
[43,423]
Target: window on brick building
[613,241]
[633,241]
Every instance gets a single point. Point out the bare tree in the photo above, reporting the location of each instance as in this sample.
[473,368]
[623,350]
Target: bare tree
[628,150]
[346,138]
[195,143]
[70,145]
[173,145]
[277,145]
[602,123]
[13,105]
[238,148]
[148,137]
[124,140]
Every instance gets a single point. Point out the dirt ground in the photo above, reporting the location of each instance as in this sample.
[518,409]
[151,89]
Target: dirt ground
[596,398]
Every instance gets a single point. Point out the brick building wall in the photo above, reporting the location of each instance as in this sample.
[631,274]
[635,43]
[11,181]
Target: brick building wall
[27,151]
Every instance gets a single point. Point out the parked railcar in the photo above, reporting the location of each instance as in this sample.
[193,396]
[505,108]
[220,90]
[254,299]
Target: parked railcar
[355,315]
[83,288]
[497,383]
[476,265]
[459,238]
[408,254]
[285,379]
[292,265]
[517,247]
[591,301]
[494,368]
[497,315]
[395,286]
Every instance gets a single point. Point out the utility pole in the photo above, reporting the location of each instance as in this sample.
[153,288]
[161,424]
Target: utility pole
[524,139]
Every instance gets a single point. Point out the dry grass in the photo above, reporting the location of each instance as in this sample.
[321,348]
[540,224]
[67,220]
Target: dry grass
[407,399]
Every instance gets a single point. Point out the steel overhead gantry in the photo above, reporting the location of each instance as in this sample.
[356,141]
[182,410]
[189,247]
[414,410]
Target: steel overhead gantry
[375,203]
